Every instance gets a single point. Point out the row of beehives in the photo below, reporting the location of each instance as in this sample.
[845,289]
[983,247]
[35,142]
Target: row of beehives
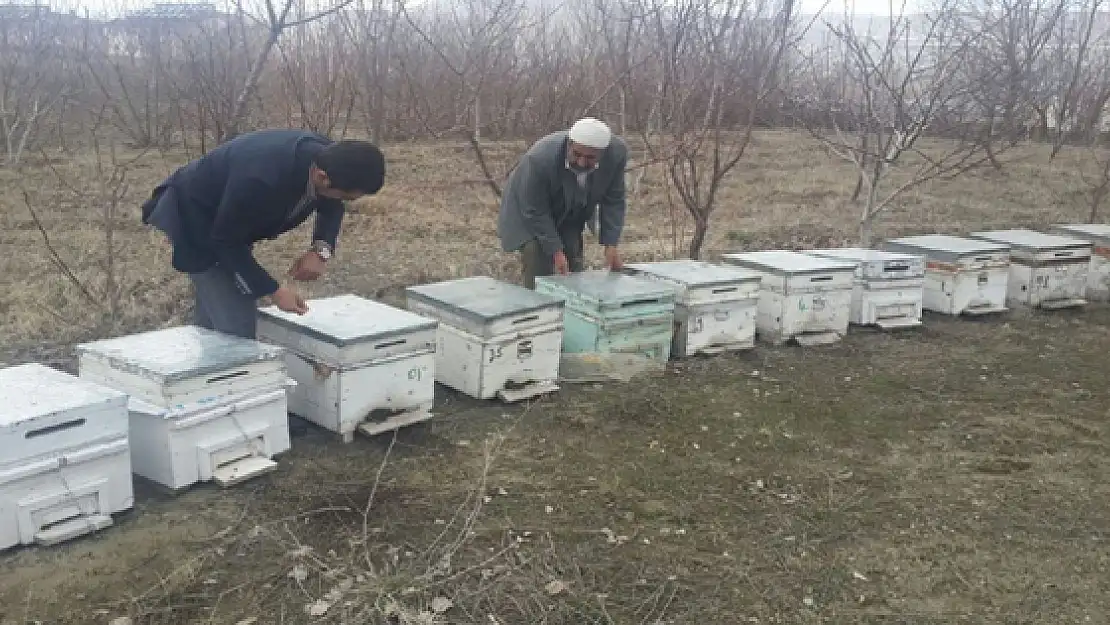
[187,405]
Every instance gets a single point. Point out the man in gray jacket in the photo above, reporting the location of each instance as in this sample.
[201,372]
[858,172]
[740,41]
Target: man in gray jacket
[553,193]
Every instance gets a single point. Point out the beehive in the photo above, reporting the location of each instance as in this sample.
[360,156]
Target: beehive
[204,406]
[715,308]
[888,288]
[1046,270]
[609,312]
[962,276]
[494,338]
[803,298]
[65,467]
[1098,272]
[359,364]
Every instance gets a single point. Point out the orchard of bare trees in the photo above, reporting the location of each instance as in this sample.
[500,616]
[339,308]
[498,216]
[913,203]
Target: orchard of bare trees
[933,91]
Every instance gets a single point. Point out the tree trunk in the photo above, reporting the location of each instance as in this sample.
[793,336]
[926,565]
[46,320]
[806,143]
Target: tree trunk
[701,228]
[239,113]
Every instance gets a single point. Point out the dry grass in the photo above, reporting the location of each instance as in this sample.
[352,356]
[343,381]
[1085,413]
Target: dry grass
[954,474]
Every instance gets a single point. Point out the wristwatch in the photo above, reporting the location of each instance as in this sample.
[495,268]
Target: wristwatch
[323,249]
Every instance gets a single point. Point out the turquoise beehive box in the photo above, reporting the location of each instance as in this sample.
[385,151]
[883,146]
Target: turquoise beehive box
[609,312]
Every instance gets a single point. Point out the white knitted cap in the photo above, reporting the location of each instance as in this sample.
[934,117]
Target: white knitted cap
[590,132]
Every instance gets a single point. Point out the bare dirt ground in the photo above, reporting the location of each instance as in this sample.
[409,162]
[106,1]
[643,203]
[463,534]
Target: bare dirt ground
[948,475]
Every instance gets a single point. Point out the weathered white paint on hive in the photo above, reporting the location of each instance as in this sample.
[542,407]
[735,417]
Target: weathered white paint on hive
[888,288]
[182,367]
[1098,273]
[64,464]
[611,312]
[353,357]
[716,305]
[204,405]
[802,297]
[1046,270]
[962,276]
[494,338]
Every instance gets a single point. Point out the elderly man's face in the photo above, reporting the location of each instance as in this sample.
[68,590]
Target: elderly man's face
[582,157]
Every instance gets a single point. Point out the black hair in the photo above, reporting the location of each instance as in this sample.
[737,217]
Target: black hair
[357,166]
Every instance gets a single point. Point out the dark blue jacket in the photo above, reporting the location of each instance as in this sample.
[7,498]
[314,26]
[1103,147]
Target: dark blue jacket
[215,208]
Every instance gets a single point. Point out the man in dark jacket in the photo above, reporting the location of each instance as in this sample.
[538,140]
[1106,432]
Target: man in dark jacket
[553,193]
[258,186]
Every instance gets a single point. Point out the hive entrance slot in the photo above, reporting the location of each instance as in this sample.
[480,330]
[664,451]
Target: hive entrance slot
[897,267]
[57,427]
[524,349]
[391,343]
[1062,254]
[724,289]
[227,376]
[526,319]
[639,302]
[821,279]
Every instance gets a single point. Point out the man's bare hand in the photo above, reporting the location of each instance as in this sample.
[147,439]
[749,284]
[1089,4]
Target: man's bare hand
[561,264]
[309,266]
[285,298]
[613,258]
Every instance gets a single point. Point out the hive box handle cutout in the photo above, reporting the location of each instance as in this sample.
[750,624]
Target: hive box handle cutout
[640,302]
[526,319]
[57,427]
[897,267]
[725,289]
[391,344]
[1062,254]
[227,376]
[821,279]
[524,349]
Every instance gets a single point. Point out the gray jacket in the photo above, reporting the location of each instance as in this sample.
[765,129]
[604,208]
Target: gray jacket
[542,197]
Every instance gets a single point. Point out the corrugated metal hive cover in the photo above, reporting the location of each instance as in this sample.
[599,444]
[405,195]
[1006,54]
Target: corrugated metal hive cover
[32,390]
[347,319]
[483,298]
[180,353]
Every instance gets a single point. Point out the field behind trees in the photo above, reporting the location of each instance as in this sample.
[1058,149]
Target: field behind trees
[951,474]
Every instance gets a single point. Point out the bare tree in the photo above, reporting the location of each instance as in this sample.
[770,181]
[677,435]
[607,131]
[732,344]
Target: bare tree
[35,74]
[278,19]
[719,69]
[896,84]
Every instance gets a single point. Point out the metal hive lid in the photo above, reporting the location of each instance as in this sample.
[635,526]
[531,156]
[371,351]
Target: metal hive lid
[609,286]
[1030,239]
[31,391]
[788,261]
[863,254]
[1096,231]
[950,244]
[696,272]
[179,353]
[349,319]
[483,298]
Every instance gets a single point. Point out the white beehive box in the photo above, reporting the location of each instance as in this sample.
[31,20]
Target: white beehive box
[204,405]
[64,463]
[359,364]
[1046,270]
[495,339]
[716,305]
[962,276]
[888,288]
[802,298]
[1098,272]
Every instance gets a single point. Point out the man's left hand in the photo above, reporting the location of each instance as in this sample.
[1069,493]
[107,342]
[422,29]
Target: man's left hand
[613,258]
[309,266]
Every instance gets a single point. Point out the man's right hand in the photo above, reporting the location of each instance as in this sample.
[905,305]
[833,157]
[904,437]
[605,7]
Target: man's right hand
[561,264]
[285,298]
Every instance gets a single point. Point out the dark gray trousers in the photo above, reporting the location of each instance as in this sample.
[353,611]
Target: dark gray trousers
[221,306]
[534,262]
